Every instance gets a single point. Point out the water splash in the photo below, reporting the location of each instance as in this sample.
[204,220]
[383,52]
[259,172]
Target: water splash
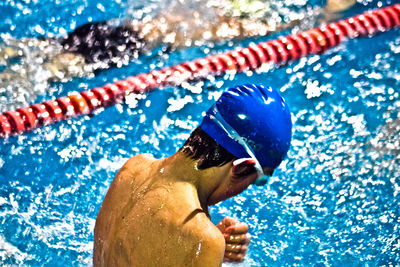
[333,201]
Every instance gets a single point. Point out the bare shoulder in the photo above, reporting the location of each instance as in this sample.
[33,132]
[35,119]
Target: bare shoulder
[141,158]
[137,163]
[210,241]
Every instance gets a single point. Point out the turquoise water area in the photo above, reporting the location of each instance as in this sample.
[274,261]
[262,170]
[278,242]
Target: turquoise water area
[334,201]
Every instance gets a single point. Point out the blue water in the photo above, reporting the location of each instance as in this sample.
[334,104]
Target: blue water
[334,201]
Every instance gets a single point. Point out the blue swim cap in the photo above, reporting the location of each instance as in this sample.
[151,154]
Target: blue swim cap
[255,115]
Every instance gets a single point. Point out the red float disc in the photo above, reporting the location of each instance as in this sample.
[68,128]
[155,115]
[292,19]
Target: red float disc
[113,91]
[376,21]
[301,44]
[66,106]
[204,64]
[392,14]
[123,86]
[16,121]
[5,127]
[346,27]
[227,61]
[79,103]
[312,42]
[220,65]
[262,57]
[339,32]
[239,60]
[292,47]
[385,18]
[54,109]
[360,28]
[91,99]
[149,80]
[270,51]
[29,117]
[252,58]
[42,114]
[329,36]
[283,53]
[368,24]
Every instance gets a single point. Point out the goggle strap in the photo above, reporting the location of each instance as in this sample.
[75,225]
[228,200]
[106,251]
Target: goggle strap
[233,134]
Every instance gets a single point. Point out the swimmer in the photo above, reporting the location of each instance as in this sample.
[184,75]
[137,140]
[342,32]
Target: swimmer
[100,45]
[155,212]
[335,6]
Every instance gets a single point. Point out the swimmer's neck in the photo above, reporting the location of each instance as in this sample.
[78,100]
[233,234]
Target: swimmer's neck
[181,168]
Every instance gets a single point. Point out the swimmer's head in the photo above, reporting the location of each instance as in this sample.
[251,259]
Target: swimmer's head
[253,122]
[249,126]
[100,42]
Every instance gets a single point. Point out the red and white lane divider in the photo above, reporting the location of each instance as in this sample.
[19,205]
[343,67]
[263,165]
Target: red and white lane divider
[282,50]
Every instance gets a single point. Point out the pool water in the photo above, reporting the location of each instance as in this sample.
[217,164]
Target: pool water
[334,200]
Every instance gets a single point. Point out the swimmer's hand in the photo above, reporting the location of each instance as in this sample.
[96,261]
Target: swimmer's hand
[237,239]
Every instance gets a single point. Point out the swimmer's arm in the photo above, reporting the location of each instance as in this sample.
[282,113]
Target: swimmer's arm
[339,5]
[60,65]
[334,9]
[210,249]
[184,31]
[236,27]
[13,48]
[67,65]
[206,240]
[165,30]
[7,53]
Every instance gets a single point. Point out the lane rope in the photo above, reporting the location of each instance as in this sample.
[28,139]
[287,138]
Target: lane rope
[278,51]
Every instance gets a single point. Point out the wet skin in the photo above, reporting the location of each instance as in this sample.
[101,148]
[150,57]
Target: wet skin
[156,213]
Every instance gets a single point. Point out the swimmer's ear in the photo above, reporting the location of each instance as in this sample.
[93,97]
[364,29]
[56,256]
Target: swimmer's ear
[243,167]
